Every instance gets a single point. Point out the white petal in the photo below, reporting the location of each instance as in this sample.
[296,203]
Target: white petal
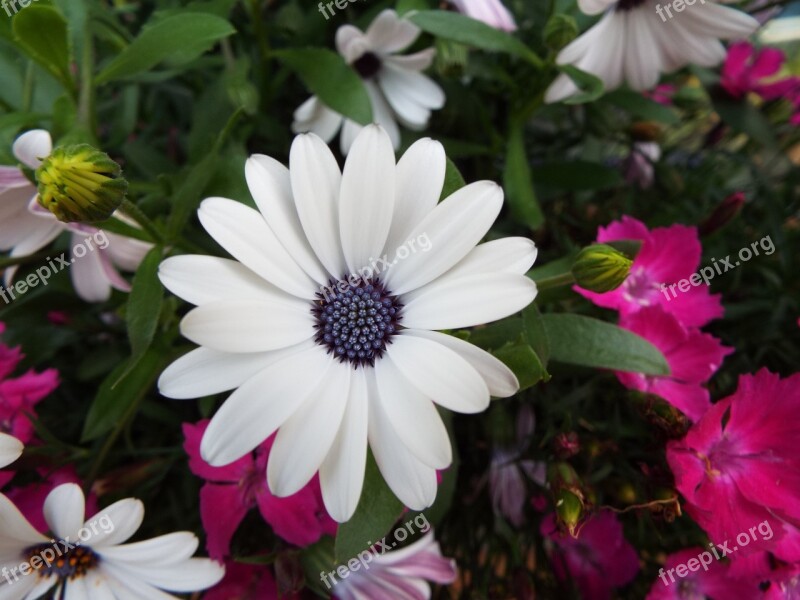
[418,61]
[187,576]
[439,373]
[27,587]
[17,532]
[271,188]
[64,510]
[75,590]
[514,255]
[381,114]
[316,180]
[467,301]
[366,200]
[594,7]
[643,63]
[411,95]
[10,449]
[420,178]
[98,587]
[88,274]
[164,550]
[412,481]
[388,33]
[304,439]
[350,131]
[36,239]
[342,472]
[125,516]
[243,232]
[500,380]
[351,42]
[31,147]
[249,325]
[314,117]
[453,227]
[200,279]
[128,585]
[262,404]
[711,19]
[703,51]
[413,416]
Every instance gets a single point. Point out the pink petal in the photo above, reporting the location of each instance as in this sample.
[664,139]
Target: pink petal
[221,510]
[232,473]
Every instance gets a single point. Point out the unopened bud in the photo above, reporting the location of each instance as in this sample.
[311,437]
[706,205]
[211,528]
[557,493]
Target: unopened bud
[724,213]
[601,268]
[80,184]
[559,31]
[569,508]
[566,445]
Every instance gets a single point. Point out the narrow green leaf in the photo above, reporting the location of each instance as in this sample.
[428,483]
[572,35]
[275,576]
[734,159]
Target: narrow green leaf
[377,511]
[189,34]
[536,333]
[518,183]
[591,87]
[643,108]
[459,28]
[41,32]
[579,340]
[328,76]
[144,304]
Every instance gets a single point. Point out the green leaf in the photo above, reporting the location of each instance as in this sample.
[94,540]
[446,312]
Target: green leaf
[459,28]
[519,186]
[328,76]
[591,87]
[576,175]
[189,34]
[114,402]
[41,32]
[526,364]
[453,180]
[378,509]
[579,340]
[746,118]
[641,107]
[536,333]
[144,305]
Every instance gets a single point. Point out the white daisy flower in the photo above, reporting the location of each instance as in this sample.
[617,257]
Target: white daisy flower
[10,449]
[86,558]
[26,227]
[635,41]
[329,363]
[397,88]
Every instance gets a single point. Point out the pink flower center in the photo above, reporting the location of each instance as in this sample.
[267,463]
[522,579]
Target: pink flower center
[639,287]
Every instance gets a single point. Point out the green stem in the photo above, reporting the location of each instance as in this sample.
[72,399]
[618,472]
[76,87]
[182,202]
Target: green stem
[12,261]
[556,281]
[136,213]
[27,90]
[86,98]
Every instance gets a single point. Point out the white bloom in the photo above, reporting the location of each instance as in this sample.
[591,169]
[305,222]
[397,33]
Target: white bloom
[26,227]
[397,88]
[632,43]
[491,12]
[10,449]
[271,330]
[99,566]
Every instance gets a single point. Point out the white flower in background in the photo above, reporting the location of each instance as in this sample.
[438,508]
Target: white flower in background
[491,12]
[26,227]
[10,449]
[94,563]
[632,43]
[401,573]
[397,88]
[328,363]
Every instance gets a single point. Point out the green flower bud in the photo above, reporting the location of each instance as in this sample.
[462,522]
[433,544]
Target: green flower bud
[80,184]
[559,31]
[451,58]
[569,508]
[601,268]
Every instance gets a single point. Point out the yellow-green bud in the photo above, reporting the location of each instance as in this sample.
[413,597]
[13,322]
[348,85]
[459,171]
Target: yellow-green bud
[451,58]
[569,508]
[80,184]
[601,268]
[559,31]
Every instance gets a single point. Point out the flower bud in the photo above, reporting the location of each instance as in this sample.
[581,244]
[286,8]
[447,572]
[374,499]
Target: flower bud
[451,58]
[569,508]
[601,268]
[725,212]
[566,445]
[559,31]
[78,183]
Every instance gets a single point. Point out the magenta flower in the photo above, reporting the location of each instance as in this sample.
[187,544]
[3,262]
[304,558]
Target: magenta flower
[598,561]
[662,94]
[693,357]
[403,573]
[491,12]
[231,491]
[667,256]
[749,70]
[716,580]
[246,582]
[738,467]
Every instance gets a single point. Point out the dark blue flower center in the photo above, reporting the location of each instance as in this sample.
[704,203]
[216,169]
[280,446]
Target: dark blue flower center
[629,4]
[355,321]
[48,560]
[367,65]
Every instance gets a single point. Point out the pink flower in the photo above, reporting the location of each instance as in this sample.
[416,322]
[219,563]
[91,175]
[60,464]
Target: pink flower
[693,357]
[231,491]
[491,12]
[715,580]
[245,582]
[667,256]
[747,70]
[662,94]
[598,561]
[738,467]
[401,573]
